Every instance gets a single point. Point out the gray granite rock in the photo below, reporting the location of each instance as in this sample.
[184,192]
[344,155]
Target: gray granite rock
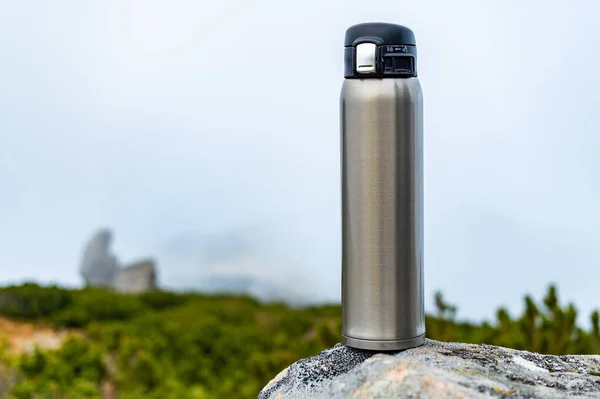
[437,370]
[99,265]
[100,268]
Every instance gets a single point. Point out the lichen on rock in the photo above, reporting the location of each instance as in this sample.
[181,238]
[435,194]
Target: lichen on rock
[437,370]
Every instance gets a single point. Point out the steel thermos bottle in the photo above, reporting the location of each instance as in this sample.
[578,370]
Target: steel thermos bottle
[381,109]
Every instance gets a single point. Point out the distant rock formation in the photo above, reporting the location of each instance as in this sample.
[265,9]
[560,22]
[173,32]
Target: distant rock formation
[99,265]
[136,278]
[100,268]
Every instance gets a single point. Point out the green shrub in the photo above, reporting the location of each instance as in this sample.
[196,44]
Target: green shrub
[94,304]
[167,345]
[159,300]
[31,301]
[73,371]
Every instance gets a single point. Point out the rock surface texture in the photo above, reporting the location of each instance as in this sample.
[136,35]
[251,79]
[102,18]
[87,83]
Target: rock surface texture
[437,370]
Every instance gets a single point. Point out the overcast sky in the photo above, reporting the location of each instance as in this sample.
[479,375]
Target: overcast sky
[205,134]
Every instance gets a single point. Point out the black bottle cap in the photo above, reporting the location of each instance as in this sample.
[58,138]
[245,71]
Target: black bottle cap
[384,33]
[379,50]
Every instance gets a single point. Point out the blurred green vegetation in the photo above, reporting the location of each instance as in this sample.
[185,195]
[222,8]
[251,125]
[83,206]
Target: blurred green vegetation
[170,345]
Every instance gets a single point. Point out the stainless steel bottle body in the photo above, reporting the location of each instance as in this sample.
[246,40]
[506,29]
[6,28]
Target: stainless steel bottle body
[382,213]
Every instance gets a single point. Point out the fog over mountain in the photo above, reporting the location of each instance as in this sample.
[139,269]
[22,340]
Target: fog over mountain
[183,127]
